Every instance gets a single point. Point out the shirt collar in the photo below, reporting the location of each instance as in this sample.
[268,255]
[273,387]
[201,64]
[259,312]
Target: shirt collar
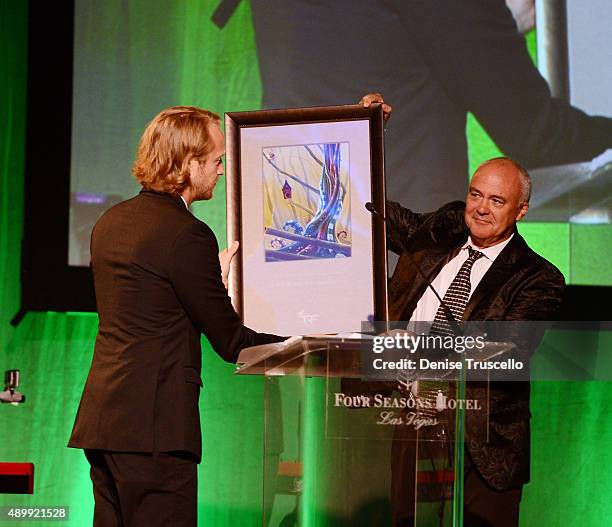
[186,206]
[490,252]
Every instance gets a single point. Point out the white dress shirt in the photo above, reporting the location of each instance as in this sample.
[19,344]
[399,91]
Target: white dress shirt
[428,304]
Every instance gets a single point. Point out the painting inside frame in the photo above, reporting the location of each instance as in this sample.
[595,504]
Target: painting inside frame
[306,201]
[312,258]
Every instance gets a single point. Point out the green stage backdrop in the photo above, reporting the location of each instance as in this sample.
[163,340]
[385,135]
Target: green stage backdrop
[572,430]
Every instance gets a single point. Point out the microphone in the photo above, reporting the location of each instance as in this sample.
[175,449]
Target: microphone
[372,209]
[447,312]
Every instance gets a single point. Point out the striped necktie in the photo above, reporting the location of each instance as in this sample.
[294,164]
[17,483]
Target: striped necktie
[431,392]
[456,297]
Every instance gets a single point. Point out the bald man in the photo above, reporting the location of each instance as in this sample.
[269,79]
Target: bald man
[507,281]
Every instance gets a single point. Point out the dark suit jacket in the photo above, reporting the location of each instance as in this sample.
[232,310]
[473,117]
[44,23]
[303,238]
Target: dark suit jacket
[519,285]
[158,288]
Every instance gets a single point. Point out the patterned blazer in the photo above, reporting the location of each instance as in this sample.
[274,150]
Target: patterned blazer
[519,285]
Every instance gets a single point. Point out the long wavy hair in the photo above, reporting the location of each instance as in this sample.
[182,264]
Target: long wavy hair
[170,141]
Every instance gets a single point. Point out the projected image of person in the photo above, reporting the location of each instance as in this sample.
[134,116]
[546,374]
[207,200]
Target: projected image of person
[436,61]
[160,283]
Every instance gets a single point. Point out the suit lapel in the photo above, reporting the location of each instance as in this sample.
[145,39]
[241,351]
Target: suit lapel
[429,262]
[497,275]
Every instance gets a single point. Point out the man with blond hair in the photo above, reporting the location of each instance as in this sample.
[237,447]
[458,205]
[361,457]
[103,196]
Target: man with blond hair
[159,282]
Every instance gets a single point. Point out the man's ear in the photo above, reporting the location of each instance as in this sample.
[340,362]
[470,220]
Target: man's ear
[193,166]
[522,211]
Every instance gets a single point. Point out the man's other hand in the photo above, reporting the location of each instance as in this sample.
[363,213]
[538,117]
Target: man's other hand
[225,258]
[523,12]
[369,98]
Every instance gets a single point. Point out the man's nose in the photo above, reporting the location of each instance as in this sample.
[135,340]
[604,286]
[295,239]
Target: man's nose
[483,207]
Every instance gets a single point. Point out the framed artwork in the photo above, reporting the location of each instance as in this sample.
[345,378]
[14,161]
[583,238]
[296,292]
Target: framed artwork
[312,257]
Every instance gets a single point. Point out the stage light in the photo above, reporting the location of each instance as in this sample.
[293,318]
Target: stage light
[11,383]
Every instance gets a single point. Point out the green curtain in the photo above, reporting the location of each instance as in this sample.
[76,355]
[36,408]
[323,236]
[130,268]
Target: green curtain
[13,64]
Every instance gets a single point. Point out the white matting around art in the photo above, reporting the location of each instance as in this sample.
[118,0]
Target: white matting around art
[316,296]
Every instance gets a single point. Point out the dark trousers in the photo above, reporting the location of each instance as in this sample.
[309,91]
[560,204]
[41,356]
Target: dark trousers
[483,506]
[143,490]
[486,507]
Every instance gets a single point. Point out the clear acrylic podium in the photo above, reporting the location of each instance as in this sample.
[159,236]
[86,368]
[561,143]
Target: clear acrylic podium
[339,451]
